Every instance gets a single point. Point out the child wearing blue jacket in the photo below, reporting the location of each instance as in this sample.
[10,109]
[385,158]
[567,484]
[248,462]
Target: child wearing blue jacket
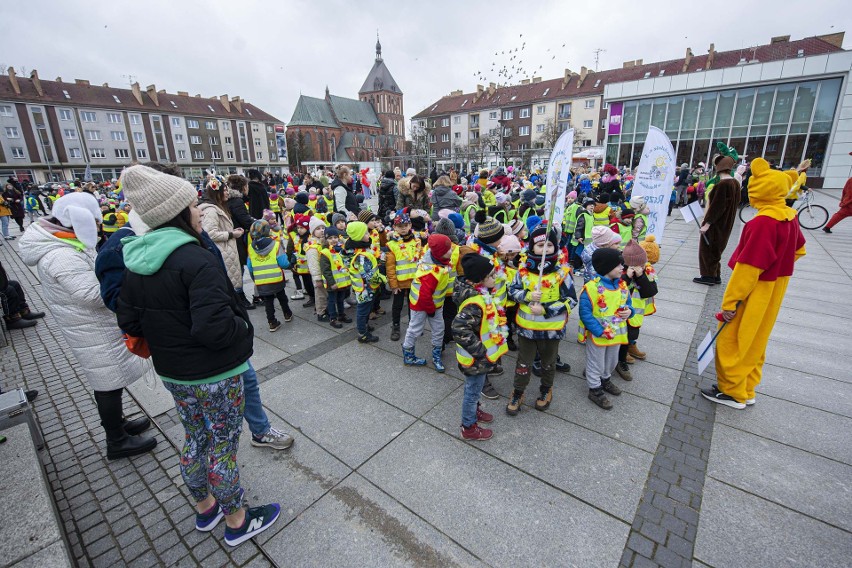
[605,307]
[266,263]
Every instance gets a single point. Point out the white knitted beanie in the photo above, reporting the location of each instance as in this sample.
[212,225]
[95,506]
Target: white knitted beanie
[156,197]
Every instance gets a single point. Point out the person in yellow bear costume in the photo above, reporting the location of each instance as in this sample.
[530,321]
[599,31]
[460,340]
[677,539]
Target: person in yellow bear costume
[762,265]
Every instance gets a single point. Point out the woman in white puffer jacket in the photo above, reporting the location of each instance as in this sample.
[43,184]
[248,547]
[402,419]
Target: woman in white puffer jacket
[63,249]
[216,221]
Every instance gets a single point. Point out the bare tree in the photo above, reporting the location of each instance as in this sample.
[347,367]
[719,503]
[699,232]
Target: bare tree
[3,68]
[298,151]
[419,144]
[550,134]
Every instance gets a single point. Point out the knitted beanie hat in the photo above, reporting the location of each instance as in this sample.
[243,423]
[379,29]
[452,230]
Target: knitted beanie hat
[533,221]
[603,198]
[289,203]
[259,229]
[303,221]
[356,230]
[476,267]
[315,223]
[604,260]
[509,243]
[302,198]
[604,236]
[331,232]
[366,216]
[489,231]
[541,233]
[514,227]
[401,219]
[338,217]
[458,220]
[439,245]
[445,227]
[651,248]
[572,194]
[157,197]
[638,203]
[634,255]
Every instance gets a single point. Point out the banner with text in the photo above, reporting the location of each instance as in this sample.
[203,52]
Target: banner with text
[655,179]
[615,113]
[281,142]
[558,170]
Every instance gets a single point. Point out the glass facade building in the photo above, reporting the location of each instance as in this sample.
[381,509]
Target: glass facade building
[783,122]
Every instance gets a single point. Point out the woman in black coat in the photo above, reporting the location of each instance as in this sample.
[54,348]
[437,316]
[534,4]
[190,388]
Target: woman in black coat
[387,194]
[15,201]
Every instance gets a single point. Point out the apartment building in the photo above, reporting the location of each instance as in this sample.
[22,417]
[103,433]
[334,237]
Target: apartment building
[54,130]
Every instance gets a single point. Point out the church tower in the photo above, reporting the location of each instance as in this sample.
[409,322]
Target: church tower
[384,95]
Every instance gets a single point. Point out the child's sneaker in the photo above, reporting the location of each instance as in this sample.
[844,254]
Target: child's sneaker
[322,317]
[334,324]
[624,371]
[598,397]
[344,318]
[515,403]
[367,338]
[288,316]
[474,432]
[274,325]
[544,399]
[482,416]
[207,521]
[275,439]
[611,387]
[299,295]
[258,519]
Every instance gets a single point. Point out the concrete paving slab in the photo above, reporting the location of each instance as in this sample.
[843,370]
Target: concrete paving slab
[54,556]
[293,336]
[792,335]
[830,395]
[823,362]
[265,354]
[809,322]
[500,514]
[598,470]
[693,297]
[155,401]
[344,420]
[382,374]
[357,525]
[737,529]
[808,304]
[677,311]
[672,329]
[782,474]
[799,426]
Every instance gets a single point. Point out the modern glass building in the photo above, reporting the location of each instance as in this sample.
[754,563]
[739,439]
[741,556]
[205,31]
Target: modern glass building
[784,111]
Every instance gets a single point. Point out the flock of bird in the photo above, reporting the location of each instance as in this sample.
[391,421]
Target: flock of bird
[511,70]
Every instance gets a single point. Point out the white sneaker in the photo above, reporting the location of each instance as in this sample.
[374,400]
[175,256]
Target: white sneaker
[348,304]
[299,295]
[274,439]
[750,401]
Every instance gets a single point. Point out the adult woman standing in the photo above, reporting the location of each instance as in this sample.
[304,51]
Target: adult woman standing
[216,220]
[5,213]
[15,201]
[344,195]
[236,205]
[412,193]
[176,297]
[63,248]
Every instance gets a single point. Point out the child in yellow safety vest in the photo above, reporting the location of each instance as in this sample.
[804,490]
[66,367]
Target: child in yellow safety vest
[365,276]
[641,279]
[312,255]
[404,252]
[605,307]
[266,263]
[336,279]
[296,249]
[544,291]
[479,330]
[508,249]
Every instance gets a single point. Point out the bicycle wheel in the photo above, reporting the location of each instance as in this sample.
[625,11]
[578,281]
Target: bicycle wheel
[747,213]
[812,216]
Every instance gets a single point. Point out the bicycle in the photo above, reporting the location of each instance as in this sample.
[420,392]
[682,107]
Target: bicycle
[811,216]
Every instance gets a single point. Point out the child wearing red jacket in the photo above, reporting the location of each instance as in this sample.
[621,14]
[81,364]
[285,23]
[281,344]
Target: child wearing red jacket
[426,300]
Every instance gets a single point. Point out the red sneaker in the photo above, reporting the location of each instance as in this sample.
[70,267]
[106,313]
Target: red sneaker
[474,432]
[482,416]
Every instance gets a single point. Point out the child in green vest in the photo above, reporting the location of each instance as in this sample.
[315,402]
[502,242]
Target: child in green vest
[641,283]
[365,276]
[582,231]
[605,307]
[335,275]
[267,260]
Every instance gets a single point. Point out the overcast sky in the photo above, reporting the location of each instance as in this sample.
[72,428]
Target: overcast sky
[269,52]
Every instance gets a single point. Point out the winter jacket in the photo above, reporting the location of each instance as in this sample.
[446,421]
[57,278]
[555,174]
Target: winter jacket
[258,199]
[363,274]
[67,274]
[519,291]
[444,197]
[502,181]
[466,327]
[216,222]
[109,266]
[240,218]
[176,296]
[4,208]
[312,254]
[387,197]
[428,284]
[15,201]
[344,198]
[406,198]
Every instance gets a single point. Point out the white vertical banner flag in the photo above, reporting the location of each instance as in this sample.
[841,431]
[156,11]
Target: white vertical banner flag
[558,170]
[655,179]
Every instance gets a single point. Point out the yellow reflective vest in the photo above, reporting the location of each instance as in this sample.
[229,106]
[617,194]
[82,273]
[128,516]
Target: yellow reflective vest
[550,284]
[299,251]
[642,306]
[441,273]
[405,258]
[342,279]
[602,219]
[358,284]
[626,233]
[265,269]
[605,303]
[491,333]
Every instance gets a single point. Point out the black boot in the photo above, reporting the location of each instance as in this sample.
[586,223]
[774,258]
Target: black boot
[137,426]
[119,443]
[15,321]
[241,298]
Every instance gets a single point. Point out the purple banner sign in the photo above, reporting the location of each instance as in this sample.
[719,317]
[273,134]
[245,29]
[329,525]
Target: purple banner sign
[615,110]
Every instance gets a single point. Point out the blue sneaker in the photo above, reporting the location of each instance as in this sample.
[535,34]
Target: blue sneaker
[258,519]
[207,521]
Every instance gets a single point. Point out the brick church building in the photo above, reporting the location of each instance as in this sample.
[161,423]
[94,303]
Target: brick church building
[341,130]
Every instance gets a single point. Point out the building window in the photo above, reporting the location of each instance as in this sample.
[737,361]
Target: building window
[210,125]
[195,139]
[228,140]
[457,135]
[6,110]
[97,153]
[445,152]
[524,131]
[474,135]
[539,128]
[138,137]
[70,133]
[118,136]
[93,135]
[174,104]
[492,115]
[226,126]
[17,152]
[181,154]
[587,124]
[432,139]
[445,137]
[508,114]
[217,155]
[179,138]
[525,113]
[114,117]
[75,153]
[445,122]
[64,114]
[88,116]
[457,120]
[540,109]
[257,142]
[12,132]
[603,124]
[254,128]
[190,123]
[590,103]
[198,154]
[230,154]
[142,154]
[564,111]
[269,128]
[122,153]
[507,132]
[135,119]
[259,156]
[176,121]
[214,140]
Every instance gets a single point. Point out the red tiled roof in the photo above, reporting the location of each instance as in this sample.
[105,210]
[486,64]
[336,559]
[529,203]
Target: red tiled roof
[595,82]
[102,97]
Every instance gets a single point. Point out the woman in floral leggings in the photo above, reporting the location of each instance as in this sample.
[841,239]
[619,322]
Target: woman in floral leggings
[177,298]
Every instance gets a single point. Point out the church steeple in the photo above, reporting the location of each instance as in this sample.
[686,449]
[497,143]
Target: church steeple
[378,48]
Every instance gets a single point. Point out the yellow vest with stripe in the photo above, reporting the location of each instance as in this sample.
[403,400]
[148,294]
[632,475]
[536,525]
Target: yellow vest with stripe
[338,269]
[441,273]
[490,333]
[510,276]
[265,269]
[358,283]
[299,251]
[405,258]
[613,300]
[626,233]
[587,228]
[570,219]
[602,219]
[452,273]
[642,306]
[644,232]
[549,293]
[274,205]
[329,204]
